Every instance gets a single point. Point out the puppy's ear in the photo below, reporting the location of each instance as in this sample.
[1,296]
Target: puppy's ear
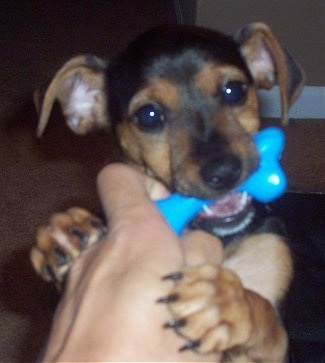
[269,63]
[79,87]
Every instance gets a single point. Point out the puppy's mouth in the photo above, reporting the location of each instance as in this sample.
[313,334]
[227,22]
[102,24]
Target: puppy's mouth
[228,215]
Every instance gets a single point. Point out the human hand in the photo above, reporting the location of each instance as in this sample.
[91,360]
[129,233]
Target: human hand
[108,310]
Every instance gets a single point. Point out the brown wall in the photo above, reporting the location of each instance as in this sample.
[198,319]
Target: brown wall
[300,24]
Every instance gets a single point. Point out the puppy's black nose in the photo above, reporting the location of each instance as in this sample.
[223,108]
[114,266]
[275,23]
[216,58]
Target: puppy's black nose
[223,172]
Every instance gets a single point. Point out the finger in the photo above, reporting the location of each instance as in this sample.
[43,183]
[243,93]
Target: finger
[133,217]
[121,189]
[201,247]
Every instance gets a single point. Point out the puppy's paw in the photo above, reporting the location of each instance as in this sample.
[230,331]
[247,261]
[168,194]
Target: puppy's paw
[209,309]
[62,240]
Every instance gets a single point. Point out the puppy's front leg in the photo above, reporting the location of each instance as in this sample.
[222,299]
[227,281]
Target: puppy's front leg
[268,340]
[60,242]
[213,311]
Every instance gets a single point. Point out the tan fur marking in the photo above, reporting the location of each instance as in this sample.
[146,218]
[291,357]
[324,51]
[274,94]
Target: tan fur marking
[150,152]
[248,115]
[214,75]
[158,90]
[270,279]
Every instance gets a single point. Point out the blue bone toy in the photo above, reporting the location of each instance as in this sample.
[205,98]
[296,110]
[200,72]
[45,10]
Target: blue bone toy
[267,183]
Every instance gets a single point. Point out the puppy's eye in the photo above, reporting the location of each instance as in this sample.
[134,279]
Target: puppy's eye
[149,118]
[234,92]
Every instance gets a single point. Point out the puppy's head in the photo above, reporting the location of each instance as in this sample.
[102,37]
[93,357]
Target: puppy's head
[182,101]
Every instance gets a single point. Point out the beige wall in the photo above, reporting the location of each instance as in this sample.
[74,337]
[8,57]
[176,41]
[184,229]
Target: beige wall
[299,24]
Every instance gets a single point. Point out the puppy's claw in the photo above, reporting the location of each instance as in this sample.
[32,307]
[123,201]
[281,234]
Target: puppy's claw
[49,271]
[191,344]
[83,237]
[168,299]
[61,257]
[175,323]
[175,276]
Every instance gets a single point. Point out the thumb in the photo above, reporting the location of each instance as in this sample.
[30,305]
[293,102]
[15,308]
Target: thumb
[121,188]
[134,218]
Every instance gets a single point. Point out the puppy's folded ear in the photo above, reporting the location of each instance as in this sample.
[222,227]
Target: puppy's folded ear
[79,87]
[269,63]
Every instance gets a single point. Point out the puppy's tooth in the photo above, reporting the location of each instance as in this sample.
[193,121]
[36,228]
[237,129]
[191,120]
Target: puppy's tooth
[175,323]
[243,200]
[175,276]
[191,344]
[207,210]
[168,299]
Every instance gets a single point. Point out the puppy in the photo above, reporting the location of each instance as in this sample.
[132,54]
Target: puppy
[182,103]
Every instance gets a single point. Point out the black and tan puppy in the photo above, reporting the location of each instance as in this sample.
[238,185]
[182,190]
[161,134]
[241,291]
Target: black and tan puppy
[182,102]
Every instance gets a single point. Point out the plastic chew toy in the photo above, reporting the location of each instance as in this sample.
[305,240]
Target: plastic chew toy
[267,183]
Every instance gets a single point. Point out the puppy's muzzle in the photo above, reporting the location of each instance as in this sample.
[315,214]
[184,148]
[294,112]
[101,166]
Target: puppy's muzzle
[222,173]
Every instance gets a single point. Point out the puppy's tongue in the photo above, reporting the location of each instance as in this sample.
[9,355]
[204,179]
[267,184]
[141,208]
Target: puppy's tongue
[229,205]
